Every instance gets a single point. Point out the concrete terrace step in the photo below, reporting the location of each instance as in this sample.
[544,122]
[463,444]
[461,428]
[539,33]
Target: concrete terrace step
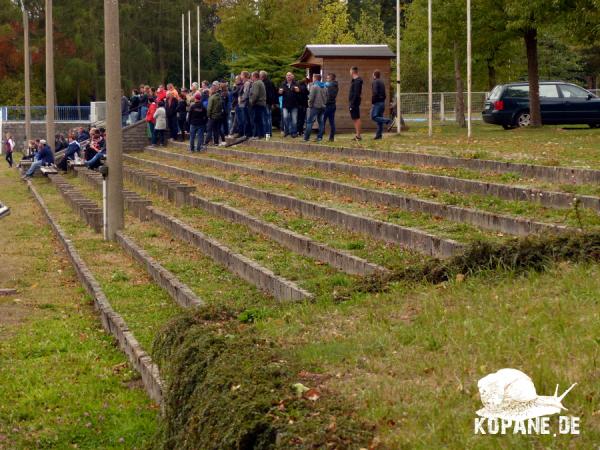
[445,183]
[485,220]
[246,268]
[112,322]
[555,174]
[296,242]
[178,291]
[410,238]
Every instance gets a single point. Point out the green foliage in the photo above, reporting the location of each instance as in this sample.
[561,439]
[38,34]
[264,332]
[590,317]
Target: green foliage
[13,92]
[335,27]
[370,29]
[274,27]
[276,66]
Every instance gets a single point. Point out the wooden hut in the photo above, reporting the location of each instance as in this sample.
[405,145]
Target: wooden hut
[339,59]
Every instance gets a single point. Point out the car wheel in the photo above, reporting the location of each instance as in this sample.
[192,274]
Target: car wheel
[594,125]
[523,119]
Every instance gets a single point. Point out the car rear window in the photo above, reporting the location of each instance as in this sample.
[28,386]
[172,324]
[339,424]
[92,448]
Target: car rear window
[495,94]
[516,92]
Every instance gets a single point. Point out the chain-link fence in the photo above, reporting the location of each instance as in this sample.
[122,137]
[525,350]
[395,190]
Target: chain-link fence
[414,105]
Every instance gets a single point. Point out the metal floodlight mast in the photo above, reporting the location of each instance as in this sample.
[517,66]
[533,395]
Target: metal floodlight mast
[190,46]
[198,40]
[429,71]
[114,134]
[27,75]
[49,75]
[183,50]
[469,72]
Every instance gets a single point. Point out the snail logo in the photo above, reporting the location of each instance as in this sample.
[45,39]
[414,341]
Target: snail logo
[509,399]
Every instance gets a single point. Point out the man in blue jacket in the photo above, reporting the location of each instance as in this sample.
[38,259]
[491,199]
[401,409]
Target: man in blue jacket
[74,148]
[44,157]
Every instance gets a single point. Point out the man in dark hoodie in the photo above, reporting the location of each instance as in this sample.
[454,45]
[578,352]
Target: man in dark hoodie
[378,101]
[354,100]
[330,106]
[197,118]
[302,104]
[289,95]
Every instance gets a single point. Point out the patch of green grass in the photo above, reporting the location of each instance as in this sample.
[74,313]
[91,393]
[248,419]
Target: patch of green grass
[143,305]
[63,381]
[411,357]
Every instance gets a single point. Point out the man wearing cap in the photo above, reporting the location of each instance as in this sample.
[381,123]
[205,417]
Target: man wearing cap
[44,157]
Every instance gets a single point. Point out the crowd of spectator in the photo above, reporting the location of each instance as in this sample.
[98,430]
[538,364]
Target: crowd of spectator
[210,112]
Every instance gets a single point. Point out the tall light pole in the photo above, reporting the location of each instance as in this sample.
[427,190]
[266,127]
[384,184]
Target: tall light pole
[429,71]
[469,72]
[49,76]
[114,145]
[183,51]
[190,46]
[26,63]
[398,104]
[198,40]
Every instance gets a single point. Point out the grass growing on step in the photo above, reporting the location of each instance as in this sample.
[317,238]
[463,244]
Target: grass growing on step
[388,255]
[437,226]
[316,277]
[143,305]
[589,219]
[550,145]
[64,382]
[457,172]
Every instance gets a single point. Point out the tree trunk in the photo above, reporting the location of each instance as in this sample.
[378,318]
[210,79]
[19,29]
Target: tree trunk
[460,97]
[491,74]
[530,37]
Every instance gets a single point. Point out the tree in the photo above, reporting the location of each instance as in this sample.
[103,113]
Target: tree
[527,19]
[335,24]
[369,29]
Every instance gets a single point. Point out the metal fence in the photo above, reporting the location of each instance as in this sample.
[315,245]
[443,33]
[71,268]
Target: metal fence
[38,113]
[415,105]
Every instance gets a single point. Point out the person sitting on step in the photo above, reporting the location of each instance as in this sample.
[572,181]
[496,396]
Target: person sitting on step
[44,157]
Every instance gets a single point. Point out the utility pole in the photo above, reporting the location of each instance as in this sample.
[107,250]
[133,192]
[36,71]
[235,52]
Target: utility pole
[114,134]
[26,63]
[49,76]
[398,104]
[198,20]
[469,72]
[429,71]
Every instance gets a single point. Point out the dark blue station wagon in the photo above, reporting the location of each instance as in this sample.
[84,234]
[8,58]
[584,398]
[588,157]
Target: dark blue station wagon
[561,103]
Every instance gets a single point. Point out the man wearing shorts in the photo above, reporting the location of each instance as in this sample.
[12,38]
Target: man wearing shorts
[354,99]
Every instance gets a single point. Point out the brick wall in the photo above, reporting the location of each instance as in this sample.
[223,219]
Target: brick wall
[38,130]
